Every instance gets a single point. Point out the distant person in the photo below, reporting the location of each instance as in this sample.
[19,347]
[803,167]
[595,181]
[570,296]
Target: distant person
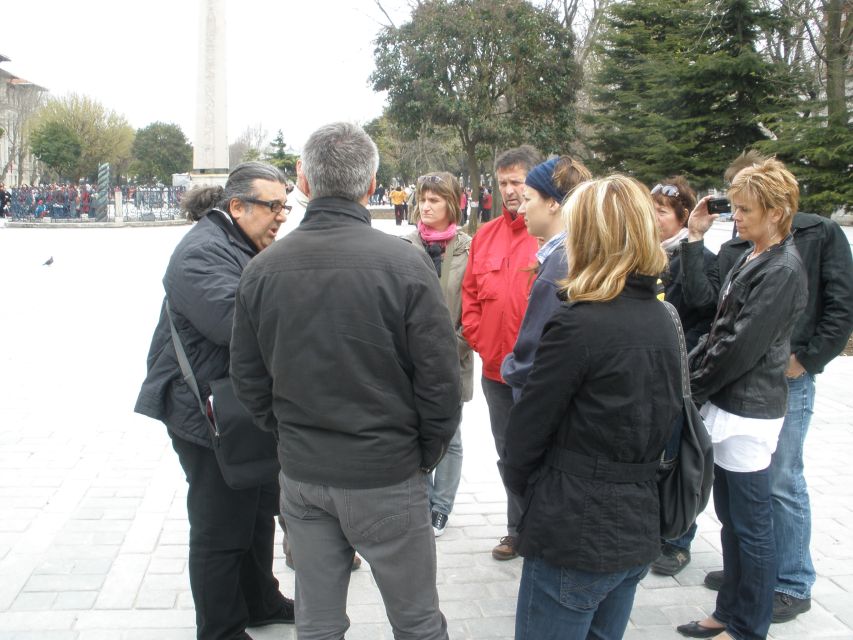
[494,298]
[439,234]
[5,201]
[398,199]
[583,444]
[231,531]
[344,348]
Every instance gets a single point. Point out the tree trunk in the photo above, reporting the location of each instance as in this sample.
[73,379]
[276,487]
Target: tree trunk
[474,175]
[837,48]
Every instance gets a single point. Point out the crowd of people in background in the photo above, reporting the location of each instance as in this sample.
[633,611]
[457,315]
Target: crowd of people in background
[69,200]
[362,376]
[47,201]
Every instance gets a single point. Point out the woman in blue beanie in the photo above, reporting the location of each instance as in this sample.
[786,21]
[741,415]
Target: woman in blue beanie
[545,188]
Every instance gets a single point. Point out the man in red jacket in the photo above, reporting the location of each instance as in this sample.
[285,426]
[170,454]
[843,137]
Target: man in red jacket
[494,299]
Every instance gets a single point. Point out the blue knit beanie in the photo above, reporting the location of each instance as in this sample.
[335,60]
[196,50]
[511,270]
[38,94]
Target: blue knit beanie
[541,178]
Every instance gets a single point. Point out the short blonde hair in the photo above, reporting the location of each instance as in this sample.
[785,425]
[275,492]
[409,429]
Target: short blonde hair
[611,233]
[772,186]
[442,184]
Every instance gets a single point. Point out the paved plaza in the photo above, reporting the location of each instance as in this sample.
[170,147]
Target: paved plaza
[93,527]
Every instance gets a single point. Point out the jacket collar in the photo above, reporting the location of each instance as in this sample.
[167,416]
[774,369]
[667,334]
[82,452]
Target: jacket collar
[235,234]
[513,223]
[353,210]
[640,286]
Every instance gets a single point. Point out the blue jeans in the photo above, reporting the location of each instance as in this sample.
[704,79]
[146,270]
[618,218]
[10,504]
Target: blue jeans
[745,600]
[444,481]
[556,603]
[792,516]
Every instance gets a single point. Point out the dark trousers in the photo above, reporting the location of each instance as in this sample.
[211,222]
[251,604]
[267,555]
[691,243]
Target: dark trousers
[499,400]
[399,214]
[745,601]
[231,547]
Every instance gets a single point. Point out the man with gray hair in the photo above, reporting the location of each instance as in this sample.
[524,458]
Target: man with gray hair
[341,346]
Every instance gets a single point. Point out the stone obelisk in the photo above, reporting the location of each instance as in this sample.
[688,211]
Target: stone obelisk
[210,149]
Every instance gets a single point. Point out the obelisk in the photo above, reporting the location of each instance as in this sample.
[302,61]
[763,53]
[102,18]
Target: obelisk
[210,148]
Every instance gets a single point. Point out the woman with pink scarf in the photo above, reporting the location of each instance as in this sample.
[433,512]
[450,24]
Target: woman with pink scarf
[437,215]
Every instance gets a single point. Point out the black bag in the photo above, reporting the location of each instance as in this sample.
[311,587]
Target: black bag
[685,482]
[247,455]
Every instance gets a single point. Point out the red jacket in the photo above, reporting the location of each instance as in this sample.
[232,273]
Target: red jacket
[495,289]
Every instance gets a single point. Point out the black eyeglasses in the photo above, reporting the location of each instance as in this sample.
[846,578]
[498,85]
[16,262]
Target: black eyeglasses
[275,206]
[666,189]
[430,179]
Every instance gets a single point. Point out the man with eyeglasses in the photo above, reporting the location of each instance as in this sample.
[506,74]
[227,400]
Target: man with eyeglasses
[232,531]
[494,300]
[342,346]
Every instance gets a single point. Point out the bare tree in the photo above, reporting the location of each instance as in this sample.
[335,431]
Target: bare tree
[22,100]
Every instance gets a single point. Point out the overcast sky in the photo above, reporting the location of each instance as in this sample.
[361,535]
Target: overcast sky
[293,65]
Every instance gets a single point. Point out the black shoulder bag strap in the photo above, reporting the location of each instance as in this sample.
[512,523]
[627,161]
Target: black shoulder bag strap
[682,347]
[183,361]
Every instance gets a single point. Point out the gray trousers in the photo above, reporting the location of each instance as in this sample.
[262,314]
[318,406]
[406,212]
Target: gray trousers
[391,528]
[499,399]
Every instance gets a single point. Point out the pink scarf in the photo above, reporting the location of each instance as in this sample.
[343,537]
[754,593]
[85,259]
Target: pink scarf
[430,235]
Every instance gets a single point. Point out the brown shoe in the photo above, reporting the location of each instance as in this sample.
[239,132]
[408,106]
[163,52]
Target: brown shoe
[506,549]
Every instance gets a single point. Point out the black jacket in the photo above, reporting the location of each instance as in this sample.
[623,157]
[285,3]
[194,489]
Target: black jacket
[605,386]
[827,320]
[740,365]
[342,343]
[200,282]
[696,312]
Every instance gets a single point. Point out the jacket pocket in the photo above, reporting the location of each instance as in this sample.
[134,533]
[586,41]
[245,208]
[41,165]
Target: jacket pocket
[488,275]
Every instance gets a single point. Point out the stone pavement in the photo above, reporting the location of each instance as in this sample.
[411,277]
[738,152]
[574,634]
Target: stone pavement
[93,529]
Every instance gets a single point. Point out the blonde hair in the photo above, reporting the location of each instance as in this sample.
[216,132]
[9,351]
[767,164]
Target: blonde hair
[772,186]
[442,184]
[611,233]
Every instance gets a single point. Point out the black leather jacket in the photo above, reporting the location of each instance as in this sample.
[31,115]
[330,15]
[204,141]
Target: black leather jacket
[740,365]
[824,326]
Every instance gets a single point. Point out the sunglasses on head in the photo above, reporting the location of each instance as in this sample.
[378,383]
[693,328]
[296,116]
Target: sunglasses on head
[430,180]
[665,189]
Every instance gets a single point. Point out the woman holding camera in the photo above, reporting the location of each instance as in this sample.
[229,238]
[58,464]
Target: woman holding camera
[738,372]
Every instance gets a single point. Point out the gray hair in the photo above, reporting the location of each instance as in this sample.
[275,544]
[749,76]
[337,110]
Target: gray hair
[340,160]
[526,156]
[240,184]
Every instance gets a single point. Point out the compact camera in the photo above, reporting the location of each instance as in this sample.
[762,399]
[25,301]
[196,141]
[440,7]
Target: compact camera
[719,205]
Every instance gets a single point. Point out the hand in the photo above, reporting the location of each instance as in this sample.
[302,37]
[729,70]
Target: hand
[795,369]
[700,220]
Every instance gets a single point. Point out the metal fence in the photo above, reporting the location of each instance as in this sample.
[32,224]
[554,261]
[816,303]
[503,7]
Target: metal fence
[139,204]
[149,203]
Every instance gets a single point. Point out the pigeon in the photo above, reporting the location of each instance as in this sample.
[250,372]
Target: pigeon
[48,262]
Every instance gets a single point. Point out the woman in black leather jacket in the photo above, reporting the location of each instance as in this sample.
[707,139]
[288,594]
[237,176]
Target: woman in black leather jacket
[738,372]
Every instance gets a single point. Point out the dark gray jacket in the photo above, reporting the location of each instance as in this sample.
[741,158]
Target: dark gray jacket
[740,365]
[342,345]
[200,283]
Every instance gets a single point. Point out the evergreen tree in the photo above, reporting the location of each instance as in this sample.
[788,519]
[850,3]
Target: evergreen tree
[279,157]
[682,88]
